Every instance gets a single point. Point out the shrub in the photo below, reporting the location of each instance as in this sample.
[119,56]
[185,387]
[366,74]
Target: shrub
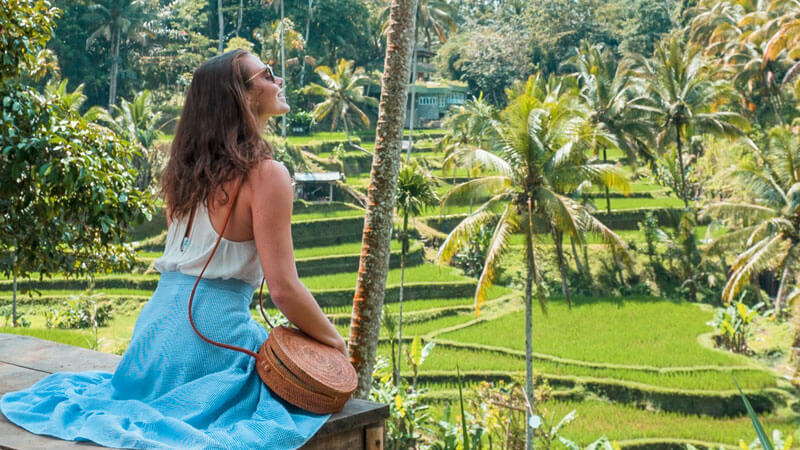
[733,325]
[81,311]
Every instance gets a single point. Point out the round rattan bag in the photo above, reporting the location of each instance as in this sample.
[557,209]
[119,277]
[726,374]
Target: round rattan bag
[297,368]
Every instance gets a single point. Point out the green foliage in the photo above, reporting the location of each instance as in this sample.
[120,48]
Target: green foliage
[137,122]
[67,199]
[27,26]
[407,413]
[7,314]
[342,92]
[473,254]
[80,311]
[300,123]
[734,325]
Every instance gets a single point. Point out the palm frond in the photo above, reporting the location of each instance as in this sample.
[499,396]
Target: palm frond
[506,226]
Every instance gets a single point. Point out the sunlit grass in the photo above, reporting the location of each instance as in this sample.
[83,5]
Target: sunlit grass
[622,331]
[328,215]
[424,273]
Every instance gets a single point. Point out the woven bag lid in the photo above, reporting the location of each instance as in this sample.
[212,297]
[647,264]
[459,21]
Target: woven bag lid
[321,366]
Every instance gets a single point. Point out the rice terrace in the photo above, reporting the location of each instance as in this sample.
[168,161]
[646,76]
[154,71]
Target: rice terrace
[594,240]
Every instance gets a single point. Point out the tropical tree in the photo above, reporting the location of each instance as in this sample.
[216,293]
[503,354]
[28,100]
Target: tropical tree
[415,193]
[686,102]
[744,39]
[67,200]
[763,215]
[136,122]
[117,21]
[375,247]
[541,157]
[470,130]
[615,104]
[343,91]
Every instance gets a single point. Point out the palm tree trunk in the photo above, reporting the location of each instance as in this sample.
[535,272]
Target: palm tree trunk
[558,237]
[373,267]
[112,85]
[308,27]
[780,297]
[608,196]
[347,131]
[795,355]
[403,248]
[283,65]
[413,93]
[575,256]
[221,24]
[529,280]
[684,194]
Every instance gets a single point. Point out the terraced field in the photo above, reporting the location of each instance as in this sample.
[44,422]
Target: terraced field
[638,370]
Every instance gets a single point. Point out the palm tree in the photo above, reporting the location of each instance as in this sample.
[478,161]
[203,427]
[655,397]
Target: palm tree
[685,101]
[117,21]
[541,157]
[343,90]
[470,133]
[736,37]
[373,266]
[763,215]
[415,193]
[616,105]
[135,121]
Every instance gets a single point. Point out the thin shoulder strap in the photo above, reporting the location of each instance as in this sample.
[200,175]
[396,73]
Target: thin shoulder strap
[199,277]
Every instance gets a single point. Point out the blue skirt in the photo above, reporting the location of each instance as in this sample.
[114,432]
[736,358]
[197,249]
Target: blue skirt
[172,389]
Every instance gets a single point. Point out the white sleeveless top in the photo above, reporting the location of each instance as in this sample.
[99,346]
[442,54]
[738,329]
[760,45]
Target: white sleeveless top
[233,259]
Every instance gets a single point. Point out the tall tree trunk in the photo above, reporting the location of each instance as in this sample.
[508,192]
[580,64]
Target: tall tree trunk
[403,250]
[684,194]
[305,45]
[558,238]
[608,196]
[575,256]
[795,354]
[14,301]
[413,93]
[112,85]
[239,18]
[529,280]
[347,131]
[780,297]
[375,247]
[221,25]
[283,65]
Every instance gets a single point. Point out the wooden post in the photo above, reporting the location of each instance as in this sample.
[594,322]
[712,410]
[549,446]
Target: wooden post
[374,438]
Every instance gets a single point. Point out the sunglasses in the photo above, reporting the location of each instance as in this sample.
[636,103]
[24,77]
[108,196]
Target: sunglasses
[267,72]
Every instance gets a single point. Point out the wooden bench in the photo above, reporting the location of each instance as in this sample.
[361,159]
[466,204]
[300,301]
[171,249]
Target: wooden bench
[25,360]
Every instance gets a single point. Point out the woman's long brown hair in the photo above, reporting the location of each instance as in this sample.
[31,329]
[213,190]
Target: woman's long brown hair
[218,138]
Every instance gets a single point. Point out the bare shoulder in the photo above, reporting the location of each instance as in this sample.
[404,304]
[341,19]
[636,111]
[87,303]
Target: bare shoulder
[270,174]
[271,181]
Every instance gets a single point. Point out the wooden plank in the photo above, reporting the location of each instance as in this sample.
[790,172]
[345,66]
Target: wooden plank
[24,360]
[347,440]
[53,357]
[373,437]
[356,414]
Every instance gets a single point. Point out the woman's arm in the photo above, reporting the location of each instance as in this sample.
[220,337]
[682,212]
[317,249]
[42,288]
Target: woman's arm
[271,208]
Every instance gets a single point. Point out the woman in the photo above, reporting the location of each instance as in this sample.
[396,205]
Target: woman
[171,389]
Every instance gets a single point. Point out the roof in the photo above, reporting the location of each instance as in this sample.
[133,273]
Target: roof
[318,177]
[440,87]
